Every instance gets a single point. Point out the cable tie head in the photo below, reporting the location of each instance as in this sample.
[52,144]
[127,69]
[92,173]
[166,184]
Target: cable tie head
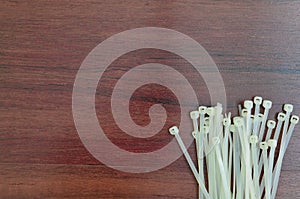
[272,143]
[253,139]
[248,104]
[264,145]
[202,110]
[271,124]
[226,122]
[174,130]
[267,104]
[257,100]
[238,121]
[194,115]
[206,121]
[210,111]
[281,117]
[294,119]
[244,112]
[195,133]
[288,108]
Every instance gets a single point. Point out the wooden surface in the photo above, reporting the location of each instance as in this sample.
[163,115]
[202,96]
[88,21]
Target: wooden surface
[255,44]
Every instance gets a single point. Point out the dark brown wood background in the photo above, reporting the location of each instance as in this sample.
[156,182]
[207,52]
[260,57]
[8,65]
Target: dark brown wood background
[255,44]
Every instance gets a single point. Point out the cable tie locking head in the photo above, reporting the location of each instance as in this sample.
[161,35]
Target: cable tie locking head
[210,111]
[252,119]
[206,121]
[288,108]
[294,119]
[244,112]
[195,133]
[264,145]
[202,110]
[267,104]
[281,117]
[257,100]
[272,143]
[271,124]
[238,121]
[260,117]
[248,104]
[253,139]
[226,122]
[194,115]
[174,130]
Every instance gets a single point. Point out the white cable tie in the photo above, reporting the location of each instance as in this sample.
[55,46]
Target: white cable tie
[284,142]
[267,104]
[226,188]
[272,144]
[194,116]
[175,131]
[257,101]
[253,141]
[248,104]
[249,186]
[200,148]
[280,117]
[264,146]
[271,125]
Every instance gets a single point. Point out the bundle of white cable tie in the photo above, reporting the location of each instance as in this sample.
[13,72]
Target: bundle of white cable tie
[239,154]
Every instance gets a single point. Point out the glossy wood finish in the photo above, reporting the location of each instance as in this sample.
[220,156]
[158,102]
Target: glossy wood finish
[255,44]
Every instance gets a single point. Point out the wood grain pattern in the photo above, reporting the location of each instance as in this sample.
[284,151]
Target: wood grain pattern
[256,46]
